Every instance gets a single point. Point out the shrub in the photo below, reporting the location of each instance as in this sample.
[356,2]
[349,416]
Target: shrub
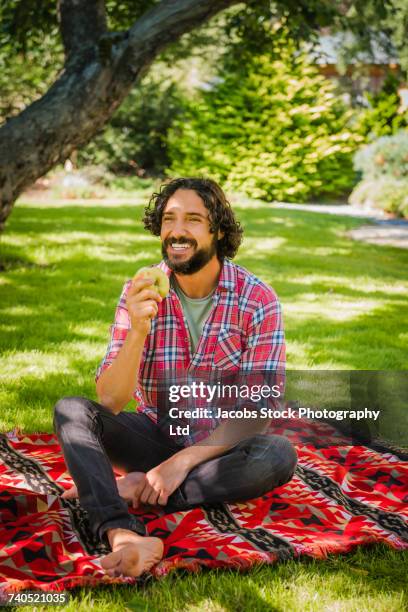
[387,193]
[271,127]
[386,156]
[384,116]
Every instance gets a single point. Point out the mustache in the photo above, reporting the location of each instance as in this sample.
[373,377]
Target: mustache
[170,241]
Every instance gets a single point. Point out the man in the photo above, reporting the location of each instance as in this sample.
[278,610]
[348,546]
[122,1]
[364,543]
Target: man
[217,316]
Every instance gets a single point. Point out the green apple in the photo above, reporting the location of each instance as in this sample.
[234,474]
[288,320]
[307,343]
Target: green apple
[161,280]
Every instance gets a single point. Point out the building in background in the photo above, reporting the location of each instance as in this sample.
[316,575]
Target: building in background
[365,72]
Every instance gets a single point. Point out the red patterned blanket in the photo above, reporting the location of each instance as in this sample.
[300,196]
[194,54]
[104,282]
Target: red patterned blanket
[341,496]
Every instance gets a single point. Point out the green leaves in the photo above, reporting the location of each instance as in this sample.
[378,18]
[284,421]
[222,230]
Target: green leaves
[24,22]
[135,139]
[384,168]
[273,128]
[386,156]
[384,116]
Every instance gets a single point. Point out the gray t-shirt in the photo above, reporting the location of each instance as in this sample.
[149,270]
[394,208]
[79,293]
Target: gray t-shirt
[196,312]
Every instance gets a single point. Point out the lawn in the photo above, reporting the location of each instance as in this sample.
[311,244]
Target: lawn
[62,266]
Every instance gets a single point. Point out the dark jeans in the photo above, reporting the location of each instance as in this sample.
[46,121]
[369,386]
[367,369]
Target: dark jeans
[93,440]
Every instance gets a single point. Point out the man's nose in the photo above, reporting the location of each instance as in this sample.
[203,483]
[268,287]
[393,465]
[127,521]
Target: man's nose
[178,230]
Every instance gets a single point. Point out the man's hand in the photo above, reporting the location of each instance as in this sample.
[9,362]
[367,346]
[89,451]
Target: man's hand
[118,382]
[161,482]
[141,301]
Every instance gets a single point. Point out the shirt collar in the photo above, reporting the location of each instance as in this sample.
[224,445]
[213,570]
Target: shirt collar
[227,276]
[226,281]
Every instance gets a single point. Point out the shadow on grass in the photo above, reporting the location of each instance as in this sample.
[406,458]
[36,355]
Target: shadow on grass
[363,342]
[369,578]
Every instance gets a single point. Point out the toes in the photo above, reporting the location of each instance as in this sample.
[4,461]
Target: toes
[115,564]
[114,574]
[111,561]
[131,560]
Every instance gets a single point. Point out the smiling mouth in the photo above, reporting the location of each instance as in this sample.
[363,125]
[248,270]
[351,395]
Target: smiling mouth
[180,248]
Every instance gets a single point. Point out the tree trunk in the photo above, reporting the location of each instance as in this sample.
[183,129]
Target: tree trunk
[100,69]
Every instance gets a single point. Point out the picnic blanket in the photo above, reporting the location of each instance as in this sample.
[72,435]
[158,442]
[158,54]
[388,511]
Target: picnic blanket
[341,496]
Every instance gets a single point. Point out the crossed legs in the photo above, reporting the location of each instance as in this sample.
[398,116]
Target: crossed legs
[94,440]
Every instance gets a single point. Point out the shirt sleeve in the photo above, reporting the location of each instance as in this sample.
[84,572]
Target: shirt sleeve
[264,359]
[265,344]
[118,332]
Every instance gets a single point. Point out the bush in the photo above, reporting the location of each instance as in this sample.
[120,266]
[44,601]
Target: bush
[384,116]
[272,127]
[387,193]
[387,156]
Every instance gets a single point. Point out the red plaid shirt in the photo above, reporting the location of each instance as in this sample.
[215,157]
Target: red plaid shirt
[244,332]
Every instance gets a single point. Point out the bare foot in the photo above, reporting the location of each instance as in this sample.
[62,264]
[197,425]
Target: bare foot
[127,486]
[132,554]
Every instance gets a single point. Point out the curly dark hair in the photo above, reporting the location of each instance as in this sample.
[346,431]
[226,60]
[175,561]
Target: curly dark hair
[221,215]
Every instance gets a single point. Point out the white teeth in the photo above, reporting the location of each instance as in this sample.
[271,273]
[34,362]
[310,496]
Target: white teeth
[180,246]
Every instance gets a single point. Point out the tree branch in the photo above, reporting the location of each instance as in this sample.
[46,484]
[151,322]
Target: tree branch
[100,71]
[82,23]
[161,25]
[167,21]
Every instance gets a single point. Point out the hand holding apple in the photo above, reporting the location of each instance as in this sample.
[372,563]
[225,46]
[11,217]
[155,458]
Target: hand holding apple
[149,287]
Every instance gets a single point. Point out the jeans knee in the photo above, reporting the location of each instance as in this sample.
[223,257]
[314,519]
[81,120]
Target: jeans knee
[68,410]
[288,455]
[272,461]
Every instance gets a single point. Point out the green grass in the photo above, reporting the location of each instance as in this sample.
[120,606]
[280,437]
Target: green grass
[345,306]
[370,580]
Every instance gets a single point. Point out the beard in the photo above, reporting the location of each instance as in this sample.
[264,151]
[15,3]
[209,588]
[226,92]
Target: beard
[197,260]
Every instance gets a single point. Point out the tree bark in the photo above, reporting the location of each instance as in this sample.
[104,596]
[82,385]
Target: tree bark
[100,69]
[82,23]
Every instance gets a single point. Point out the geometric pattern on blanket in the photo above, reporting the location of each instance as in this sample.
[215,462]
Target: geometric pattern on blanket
[341,496]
